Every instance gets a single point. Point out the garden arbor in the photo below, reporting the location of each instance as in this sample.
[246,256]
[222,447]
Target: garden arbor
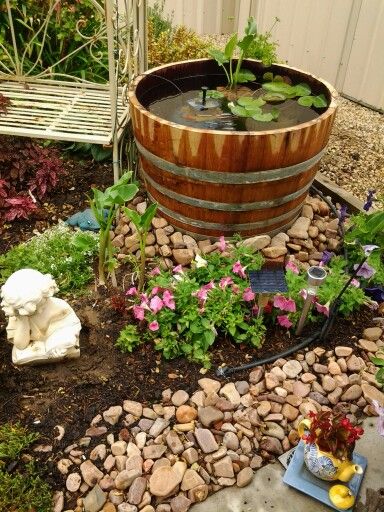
[49,102]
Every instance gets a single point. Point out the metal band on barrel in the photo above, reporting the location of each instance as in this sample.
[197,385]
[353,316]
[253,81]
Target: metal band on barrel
[233,178]
[228,207]
[227,227]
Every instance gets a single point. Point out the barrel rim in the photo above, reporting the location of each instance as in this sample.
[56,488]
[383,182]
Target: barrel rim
[322,117]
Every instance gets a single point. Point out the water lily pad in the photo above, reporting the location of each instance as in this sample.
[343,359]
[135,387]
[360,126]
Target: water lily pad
[302,89]
[263,117]
[249,101]
[320,101]
[274,97]
[237,110]
[306,101]
[244,75]
[280,88]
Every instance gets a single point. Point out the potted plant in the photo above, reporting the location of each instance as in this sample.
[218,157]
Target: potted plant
[329,443]
[209,181]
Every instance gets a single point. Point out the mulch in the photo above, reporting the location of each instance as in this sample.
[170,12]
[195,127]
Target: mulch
[72,393]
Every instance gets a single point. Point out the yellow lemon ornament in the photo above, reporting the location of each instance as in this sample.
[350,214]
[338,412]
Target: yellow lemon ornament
[341,497]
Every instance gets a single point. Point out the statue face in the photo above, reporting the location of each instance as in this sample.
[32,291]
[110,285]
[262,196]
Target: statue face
[8,310]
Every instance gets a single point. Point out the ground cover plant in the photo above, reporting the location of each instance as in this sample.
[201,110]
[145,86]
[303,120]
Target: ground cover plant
[21,489]
[65,254]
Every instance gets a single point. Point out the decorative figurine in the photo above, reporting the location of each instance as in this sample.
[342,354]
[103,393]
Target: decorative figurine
[41,327]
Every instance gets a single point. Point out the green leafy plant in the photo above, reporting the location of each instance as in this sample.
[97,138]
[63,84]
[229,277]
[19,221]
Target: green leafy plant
[65,254]
[277,88]
[236,75]
[142,224]
[104,206]
[184,311]
[24,491]
[128,339]
[263,48]
[13,440]
[247,106]
[379,361]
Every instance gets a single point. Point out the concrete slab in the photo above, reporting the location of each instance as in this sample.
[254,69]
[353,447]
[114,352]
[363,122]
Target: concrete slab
[268,493]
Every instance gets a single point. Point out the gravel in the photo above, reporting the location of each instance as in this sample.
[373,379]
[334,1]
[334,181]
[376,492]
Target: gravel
[355,156]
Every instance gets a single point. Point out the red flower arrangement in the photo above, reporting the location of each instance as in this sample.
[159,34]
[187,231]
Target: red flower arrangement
[333,433]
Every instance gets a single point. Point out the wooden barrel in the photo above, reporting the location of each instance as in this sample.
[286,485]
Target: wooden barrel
[212,183]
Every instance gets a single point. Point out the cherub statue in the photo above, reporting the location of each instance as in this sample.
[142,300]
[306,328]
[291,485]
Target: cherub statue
[41,327]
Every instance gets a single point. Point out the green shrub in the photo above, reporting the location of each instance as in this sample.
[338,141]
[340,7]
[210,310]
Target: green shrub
[174,45]
[65,254]
[263,47]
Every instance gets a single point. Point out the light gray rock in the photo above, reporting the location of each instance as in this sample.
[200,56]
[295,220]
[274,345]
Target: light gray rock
[174,443]
[94,500]
[179,398]
[112,415]
[230,392]
[244,477]
[256,243]
[164,481]
[125,478]
[180,503]
[209,415]
[154,451]
[352,393]
[90,473]
[73,482]
[158,427]
[206,440]
[224,467]
[134,408]
[292,368]
[136,490]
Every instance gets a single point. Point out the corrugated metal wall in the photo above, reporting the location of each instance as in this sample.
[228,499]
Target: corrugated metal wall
[340,40]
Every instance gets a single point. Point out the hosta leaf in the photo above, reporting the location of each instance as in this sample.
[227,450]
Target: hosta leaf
[230,46]
[320,101]
[218,55]
[244,75]
[302,89]
[305,101]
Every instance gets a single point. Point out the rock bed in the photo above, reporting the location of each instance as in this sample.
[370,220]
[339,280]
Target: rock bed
[312,233]
[166,456]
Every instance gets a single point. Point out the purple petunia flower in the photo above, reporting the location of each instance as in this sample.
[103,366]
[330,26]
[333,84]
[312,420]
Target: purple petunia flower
[369,201]
[343,214]
[326,258]
[365,270]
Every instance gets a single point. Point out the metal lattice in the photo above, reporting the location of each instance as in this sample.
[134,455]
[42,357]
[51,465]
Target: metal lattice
[49,104]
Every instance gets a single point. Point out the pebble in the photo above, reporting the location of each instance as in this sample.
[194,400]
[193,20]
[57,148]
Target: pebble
[73,482]
[292,369]
[206,440]
[372,333]
[179,398]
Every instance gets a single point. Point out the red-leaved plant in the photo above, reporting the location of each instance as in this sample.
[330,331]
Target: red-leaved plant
[334,433]
[25,168]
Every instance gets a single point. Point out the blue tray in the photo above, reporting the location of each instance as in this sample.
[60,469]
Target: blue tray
[300,478]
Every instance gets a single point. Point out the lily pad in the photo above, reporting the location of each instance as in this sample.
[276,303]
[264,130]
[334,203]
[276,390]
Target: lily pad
[274,97]
[306,101]
[320,101]
[237,110]
[302,89]
[244,75]
[248,101]
[263,117]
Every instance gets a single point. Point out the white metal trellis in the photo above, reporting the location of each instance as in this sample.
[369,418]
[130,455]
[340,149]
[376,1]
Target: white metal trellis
[47,104]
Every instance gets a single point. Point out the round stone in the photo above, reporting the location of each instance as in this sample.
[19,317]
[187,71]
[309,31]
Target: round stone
[292,368]
[185,414]
[179,398]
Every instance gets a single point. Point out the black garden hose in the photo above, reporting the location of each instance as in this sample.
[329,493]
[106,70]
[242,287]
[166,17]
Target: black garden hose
[320,334]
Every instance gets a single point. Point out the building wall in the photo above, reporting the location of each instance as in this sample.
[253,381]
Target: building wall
[342,41]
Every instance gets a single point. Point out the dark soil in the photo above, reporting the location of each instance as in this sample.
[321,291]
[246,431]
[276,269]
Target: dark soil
[72,393]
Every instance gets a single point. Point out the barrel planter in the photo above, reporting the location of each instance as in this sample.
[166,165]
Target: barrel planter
[210,183]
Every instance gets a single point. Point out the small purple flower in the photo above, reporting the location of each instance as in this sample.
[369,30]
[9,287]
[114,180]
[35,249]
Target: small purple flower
[365,270]
[368,203]
[343,214]
[326,258]
[376,293]
[369,248]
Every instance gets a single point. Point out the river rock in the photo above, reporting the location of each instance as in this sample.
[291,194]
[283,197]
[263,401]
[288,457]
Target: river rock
[206,440]
[136,490]
[185,414]
[368,346]
[372,333]
[179,398]
[90,473]
[343,351]
[209,415]
[209,385]
[180,503]
[230,392]
[224,467]
[244,477]
[183,256]
[372,393]
[94,500]
[352,393]
[73,482]
[271,445]
[300,228]
[292,368]
[134,408]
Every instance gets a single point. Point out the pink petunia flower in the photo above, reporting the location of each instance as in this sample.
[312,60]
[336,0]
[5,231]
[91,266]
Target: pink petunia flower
[248,295]
[355,283]
[138,312]
[156,304]
[202,293]
[292,267]
[178,269]
[154,291]
[284,321]
[155,271]
[168,300]
[303,293]
[153,326]
[144,298]
[284,304]
[255,309]
[239,270]
[131,291]
[222,244]
[324,309]
[225,281]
